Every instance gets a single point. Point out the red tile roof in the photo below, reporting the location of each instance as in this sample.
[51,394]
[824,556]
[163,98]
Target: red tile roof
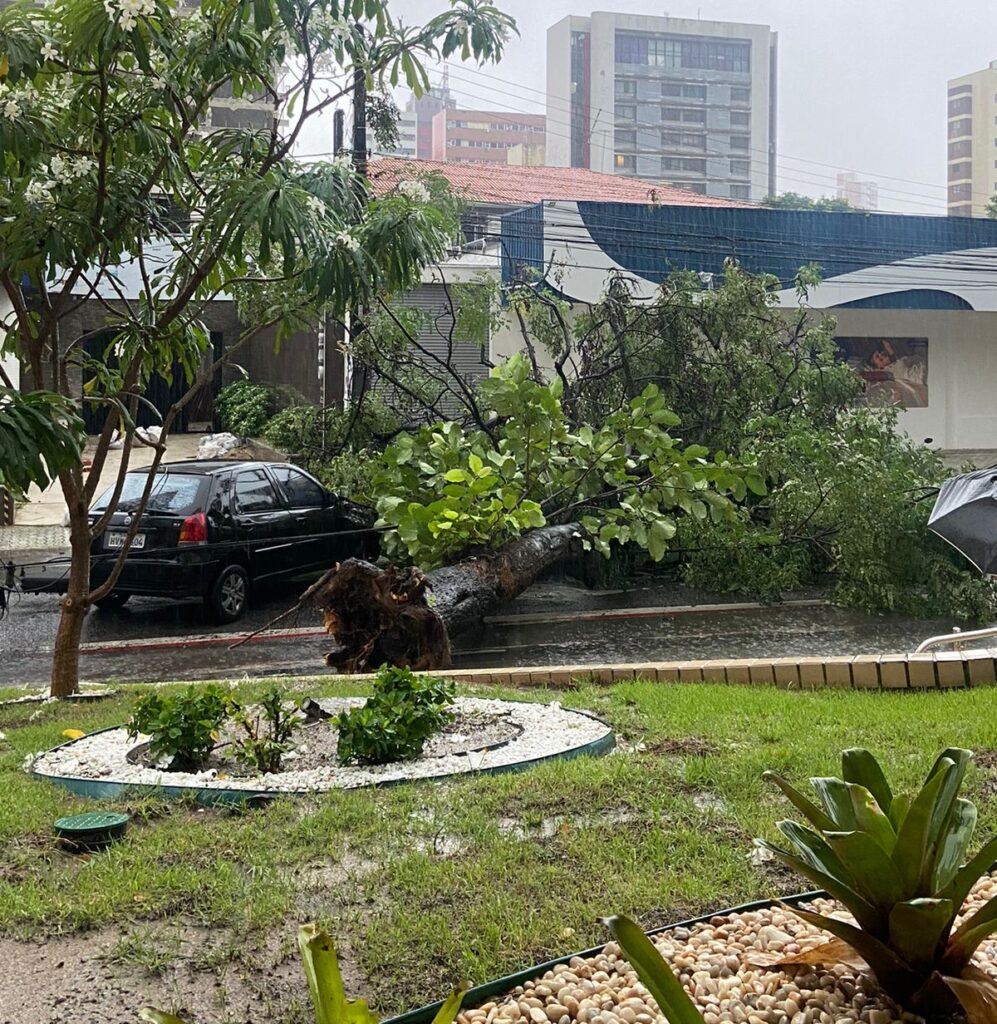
[509,185]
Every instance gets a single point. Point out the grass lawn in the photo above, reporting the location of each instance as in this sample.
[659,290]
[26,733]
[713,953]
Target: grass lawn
[426,882]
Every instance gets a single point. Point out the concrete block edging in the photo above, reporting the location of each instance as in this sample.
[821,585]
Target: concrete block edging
[888,672]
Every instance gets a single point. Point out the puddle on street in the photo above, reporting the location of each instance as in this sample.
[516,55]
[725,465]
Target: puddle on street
[771,632]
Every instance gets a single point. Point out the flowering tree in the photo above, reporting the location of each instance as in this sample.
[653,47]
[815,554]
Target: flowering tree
[107,165]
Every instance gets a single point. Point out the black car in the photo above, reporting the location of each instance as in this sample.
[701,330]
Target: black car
[216,530]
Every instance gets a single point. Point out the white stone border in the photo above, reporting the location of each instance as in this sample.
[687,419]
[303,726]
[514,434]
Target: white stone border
[548,731]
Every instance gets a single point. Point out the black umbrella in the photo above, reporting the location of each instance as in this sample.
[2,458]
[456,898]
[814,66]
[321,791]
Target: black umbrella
[965,514]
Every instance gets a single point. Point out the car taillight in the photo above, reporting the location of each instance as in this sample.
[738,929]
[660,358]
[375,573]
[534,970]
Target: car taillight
[194,530]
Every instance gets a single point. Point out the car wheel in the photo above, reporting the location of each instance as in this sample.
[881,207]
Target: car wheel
[229,596]
[112,602]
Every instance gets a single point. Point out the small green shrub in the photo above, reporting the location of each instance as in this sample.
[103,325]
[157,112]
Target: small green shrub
[181,726]
[899,864]
[268,731]
[403,712]
[349,474]
[308,432]
[245,408]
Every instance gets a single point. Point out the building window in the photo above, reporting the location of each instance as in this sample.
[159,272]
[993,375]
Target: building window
[699,187]
[712,55]
[959,149]
[626,162]
[626,112]
[689,92]
[682,52]
[740,95]
[624,139]
[963,105]
[740,142]
[626,87]
[690,166]
[964,126]
[683,115]
[961,170]
[631,48]
[960,193]
[961,211]
[740,168]
[740,119]
[580,99]
[740,191]
[958,90]
[683,140]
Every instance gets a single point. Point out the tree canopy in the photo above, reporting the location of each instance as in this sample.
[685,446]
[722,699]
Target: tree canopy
[115,189]
[796,201]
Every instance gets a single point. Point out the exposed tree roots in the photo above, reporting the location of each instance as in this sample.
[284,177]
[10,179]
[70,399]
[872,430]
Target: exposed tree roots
[405,617]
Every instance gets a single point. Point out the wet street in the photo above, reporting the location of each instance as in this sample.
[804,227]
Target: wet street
[554,623]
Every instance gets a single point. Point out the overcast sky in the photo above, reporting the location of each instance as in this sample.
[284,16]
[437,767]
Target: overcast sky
[862,83]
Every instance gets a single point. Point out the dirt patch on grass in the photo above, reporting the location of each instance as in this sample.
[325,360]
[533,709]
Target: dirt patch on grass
[203,975]
[986,761]
[690,746]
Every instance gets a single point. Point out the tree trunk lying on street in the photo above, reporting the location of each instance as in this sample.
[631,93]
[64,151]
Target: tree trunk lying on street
[405,617]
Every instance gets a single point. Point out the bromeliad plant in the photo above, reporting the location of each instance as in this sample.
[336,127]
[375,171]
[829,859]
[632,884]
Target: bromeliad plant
[325,985]
[898,863]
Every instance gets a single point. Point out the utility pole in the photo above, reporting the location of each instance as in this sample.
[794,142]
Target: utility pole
[354,389]
[360,121]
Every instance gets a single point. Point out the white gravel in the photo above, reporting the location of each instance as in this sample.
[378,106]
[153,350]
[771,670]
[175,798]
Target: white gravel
[548,730]
[719,962]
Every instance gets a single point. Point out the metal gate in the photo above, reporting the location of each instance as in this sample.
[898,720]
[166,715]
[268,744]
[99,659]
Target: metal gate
[160,393]
[468,360]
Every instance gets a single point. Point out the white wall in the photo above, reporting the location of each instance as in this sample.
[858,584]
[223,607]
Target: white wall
[9,364]
[559,91]
[962,371]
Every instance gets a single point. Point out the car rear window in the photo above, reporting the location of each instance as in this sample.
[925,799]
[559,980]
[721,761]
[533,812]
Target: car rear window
[175,493]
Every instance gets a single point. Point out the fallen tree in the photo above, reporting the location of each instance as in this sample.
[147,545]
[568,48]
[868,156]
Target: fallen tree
[405,617]
[477,515]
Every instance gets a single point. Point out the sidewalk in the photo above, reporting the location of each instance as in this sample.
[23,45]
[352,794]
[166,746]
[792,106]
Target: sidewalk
[38,521]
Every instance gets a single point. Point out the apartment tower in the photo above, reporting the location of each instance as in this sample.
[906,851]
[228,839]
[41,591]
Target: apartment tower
[972,142]
[678,99]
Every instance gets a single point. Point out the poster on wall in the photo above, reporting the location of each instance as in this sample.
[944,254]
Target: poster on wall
[895,370]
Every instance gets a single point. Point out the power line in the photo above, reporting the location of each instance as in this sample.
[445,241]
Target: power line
[810,179]
[565,106]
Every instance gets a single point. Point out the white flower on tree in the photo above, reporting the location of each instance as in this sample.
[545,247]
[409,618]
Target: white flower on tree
[347,241]
[414,190]
[39,191]
[49,52]
[127,12]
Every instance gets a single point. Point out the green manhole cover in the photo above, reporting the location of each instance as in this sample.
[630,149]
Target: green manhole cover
[93,830]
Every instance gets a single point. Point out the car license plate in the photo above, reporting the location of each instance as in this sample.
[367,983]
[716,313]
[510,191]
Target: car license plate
[117,540]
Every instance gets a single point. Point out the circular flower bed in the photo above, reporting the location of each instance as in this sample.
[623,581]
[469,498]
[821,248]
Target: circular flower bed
[484,736]
[728,964]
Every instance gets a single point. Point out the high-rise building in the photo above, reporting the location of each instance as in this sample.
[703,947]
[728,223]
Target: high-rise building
[483,136]
[857,192]
[972,142]
[692,102]
[425,108]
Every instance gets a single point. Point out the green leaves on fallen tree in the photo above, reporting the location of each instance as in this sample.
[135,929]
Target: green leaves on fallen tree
[41,434]
[445,490]
[899,865]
